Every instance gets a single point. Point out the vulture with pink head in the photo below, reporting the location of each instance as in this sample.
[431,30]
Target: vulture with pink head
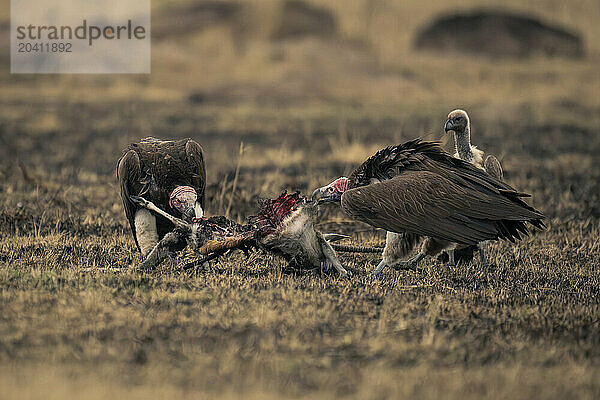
[416,190]
[168,173]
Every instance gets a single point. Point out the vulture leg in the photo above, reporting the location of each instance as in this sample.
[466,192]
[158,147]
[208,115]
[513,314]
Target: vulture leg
[431,247]
[397,246]
[451,262]
[162,250]
[331,257]
[483,246]
[145,230]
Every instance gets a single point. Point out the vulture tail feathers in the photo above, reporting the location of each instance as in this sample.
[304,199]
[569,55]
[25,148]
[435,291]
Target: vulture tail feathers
[513,193]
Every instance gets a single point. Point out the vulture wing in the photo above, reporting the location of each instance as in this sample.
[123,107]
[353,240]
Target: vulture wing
[418,155]
[195,157]
[493,167]
[429,204]
[128,175]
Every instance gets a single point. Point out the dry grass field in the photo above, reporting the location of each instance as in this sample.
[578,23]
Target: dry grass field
[303,109]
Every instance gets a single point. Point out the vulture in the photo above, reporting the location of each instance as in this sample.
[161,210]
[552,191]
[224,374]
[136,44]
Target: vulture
[168,173]
[417,189]
[459,123]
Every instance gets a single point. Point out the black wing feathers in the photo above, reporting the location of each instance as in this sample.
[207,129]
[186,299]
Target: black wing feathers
[128,175]
[152,168]
[416,187]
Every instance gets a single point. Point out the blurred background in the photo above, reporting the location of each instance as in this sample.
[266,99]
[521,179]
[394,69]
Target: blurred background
[312,87]
[288,95]
[311,84]
[281,73]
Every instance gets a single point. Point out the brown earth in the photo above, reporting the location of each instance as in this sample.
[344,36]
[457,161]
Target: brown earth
[78,321]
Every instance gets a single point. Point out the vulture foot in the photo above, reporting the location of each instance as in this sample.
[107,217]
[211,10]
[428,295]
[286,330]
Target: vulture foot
[405,265]
[379,268]
[410,264]
[162,251]
[402,265]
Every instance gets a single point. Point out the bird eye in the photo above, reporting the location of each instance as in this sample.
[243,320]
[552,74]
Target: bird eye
[330,189]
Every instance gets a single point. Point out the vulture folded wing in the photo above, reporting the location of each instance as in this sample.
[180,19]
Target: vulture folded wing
[195,156]
[429,204]
[493,167]
[128,175]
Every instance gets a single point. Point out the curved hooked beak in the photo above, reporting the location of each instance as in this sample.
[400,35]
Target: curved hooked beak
[192,210]
[190,213]
[324,195]
[316,195]
[449,126]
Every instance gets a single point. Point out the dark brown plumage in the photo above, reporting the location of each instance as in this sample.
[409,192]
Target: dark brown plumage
[153,169]
[424,190]
[418,188]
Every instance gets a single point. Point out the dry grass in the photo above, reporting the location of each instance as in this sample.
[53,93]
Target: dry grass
[306,110]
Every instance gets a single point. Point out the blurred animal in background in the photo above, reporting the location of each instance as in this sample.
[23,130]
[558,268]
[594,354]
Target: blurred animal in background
[498,34]
[418,190]
[459,123]
[284,226]
[170,174]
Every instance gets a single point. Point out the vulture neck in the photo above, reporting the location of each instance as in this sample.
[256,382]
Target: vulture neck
[462,143]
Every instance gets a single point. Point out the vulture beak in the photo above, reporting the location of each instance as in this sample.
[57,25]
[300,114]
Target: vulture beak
[449,126]
[326,194]
[316,195]
[190,214]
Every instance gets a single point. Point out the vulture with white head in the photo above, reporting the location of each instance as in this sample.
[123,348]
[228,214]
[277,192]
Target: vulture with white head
[418,189]
[459,123]
[168,173]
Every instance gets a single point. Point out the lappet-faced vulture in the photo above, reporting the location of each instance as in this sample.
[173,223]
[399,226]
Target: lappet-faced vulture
[417,189]
[168,173]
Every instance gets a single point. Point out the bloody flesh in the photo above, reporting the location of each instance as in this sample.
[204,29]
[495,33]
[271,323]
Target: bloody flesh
[274,211]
